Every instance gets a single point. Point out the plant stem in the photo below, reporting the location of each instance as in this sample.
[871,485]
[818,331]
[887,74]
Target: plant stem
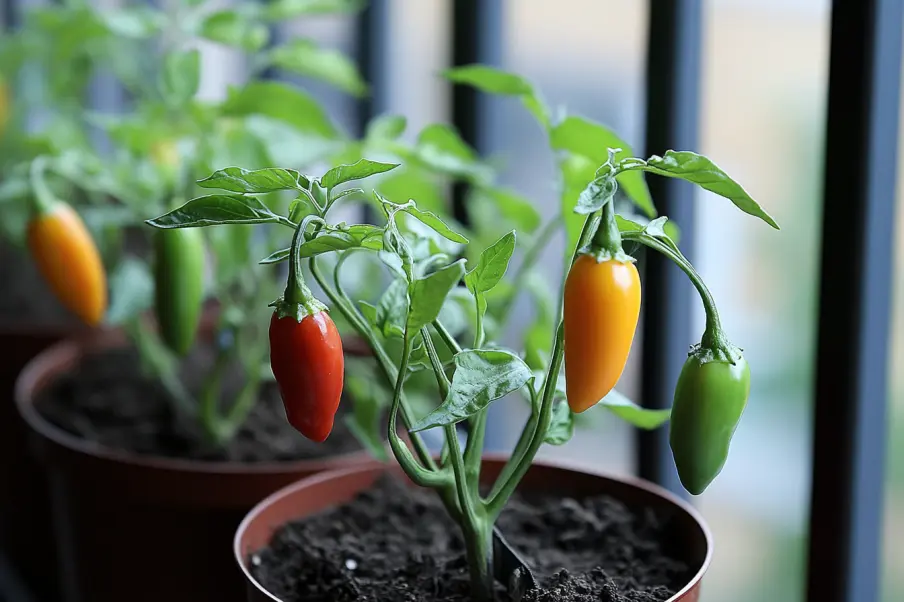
[418,474]
[385,362]
[712,335]
[539,420]
[210,395]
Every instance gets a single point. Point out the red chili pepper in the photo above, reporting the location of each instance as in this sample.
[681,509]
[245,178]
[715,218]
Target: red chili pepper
[307,361]
[306,355]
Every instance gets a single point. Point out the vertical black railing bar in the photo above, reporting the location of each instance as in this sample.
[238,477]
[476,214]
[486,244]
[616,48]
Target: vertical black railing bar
[854,301]
[672,119]
[476,38]
[371,54]
[10,14]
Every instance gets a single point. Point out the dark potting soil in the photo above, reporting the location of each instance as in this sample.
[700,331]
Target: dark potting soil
[396,543]
[109,401]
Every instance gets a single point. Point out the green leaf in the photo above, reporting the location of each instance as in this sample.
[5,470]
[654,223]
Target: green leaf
[513,207]
[131,291]
[598,193]
[386,127]
[300,208]
[490,79]
[181,76]
[305,58]
[561,426]
[235,29]
[357,171]
[359,235]
[236,179]
[632,413]
[593,140]
[441,148]
[369,312]
[136,22]
[577,173]
[481,376]
[392,309]
[407,183]
[276,256]
[428,294]
[280,10]
[492,265]
[700,170]
[282,102]
[216,209]
[432,220]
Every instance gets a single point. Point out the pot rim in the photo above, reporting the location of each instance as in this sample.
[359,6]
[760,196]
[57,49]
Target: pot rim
[306,482]
[47,366]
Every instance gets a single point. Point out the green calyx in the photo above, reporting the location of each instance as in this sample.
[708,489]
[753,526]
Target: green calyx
[298,301]
[606,243]
[714,346]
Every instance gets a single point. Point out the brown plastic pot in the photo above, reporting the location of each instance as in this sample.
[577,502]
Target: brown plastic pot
[140,528]
[25,535]
[320,492]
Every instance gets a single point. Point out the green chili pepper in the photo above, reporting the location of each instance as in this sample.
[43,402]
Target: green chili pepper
[179,280]
[710,397]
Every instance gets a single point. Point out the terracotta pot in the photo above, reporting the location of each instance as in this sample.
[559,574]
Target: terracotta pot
[329,489]
[142,528]
[25,535]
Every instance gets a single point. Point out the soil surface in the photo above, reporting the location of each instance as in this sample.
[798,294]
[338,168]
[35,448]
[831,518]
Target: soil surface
[109,401]
[395,542]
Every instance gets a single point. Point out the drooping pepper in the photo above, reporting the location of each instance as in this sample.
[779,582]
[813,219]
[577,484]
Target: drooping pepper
[306,355]
[67,257]
[179,285]
[602,306]
[710,398]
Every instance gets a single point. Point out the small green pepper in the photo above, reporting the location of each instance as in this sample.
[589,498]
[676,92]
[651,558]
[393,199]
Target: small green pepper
[710,397]
[179,286]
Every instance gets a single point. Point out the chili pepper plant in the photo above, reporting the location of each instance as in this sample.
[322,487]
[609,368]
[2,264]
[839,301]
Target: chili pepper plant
[591,335]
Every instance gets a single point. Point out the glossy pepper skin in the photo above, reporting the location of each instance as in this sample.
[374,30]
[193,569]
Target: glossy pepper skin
[69,261]
[179,285]
[307,361]
[710,397]
[602,306]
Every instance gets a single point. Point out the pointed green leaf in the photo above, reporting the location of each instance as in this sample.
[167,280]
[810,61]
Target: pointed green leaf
[632,413]
[393,308]
[386,127]
[280,10]
[357,171]
[428,294]
[700,170]
[438,225]
[561,426]
[481,376]
[276,256]
[271,179]
[598,193]
[216,209]
[492,265]
[593,140]
[489,79]
[233,28]
[181,76]
[282,102]
[306,58]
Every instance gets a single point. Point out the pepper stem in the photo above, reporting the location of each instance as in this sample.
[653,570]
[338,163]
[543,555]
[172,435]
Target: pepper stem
[607,241]
[43,200]
[298,300]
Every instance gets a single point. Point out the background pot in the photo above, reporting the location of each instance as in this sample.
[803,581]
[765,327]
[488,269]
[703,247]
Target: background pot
[326,490]
[25,535]
[140,528]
